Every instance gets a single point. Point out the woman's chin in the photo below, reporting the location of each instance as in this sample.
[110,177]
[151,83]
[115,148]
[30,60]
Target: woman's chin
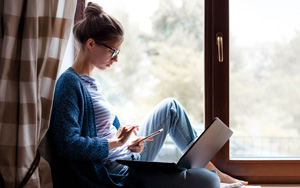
[108,65]
[104,67]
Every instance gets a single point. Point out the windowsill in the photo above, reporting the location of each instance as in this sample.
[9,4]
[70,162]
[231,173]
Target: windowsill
[264,158]
[280,185]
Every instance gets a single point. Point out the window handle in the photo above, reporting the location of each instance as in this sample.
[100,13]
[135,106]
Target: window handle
[220,46]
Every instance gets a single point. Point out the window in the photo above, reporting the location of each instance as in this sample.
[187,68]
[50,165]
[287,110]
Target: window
[254,90]
[264,78]
[152,42]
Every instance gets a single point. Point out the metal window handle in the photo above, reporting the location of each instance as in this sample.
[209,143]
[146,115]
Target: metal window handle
[220,46]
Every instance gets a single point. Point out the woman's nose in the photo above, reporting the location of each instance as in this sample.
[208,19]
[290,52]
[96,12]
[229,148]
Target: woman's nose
[115,59]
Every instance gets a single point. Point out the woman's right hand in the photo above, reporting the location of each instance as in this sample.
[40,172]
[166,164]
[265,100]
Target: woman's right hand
[122,135]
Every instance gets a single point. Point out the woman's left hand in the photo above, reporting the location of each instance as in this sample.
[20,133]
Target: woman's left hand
[138,148]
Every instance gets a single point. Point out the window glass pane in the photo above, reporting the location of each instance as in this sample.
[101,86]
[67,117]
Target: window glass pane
[264,78]
[162,56]
[69,54]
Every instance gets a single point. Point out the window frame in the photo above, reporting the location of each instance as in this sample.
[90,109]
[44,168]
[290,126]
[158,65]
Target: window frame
[217,101]
[217,105]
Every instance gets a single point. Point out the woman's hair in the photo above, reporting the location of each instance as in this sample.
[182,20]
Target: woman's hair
[97,25]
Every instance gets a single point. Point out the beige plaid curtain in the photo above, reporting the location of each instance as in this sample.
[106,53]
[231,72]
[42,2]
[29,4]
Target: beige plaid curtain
[33,38]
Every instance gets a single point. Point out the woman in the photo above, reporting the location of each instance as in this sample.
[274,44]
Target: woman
[86,134]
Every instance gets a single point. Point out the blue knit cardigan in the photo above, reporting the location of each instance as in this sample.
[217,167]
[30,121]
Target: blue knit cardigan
[76,149]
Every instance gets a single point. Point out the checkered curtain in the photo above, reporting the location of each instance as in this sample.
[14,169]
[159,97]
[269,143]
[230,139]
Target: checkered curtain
[33,39]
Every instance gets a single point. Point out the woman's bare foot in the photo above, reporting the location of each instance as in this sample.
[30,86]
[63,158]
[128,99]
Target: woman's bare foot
[228,179]
[225,178]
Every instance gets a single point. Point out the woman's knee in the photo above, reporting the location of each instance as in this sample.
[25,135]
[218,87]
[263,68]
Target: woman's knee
[171,103]
[166,107]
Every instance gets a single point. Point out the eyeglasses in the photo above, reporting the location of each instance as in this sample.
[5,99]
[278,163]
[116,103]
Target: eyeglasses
[115,51]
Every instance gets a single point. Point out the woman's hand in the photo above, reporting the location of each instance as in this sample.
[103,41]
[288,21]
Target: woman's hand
[139,147]
[122,135]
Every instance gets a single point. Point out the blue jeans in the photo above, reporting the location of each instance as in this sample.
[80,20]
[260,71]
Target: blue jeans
[171,116]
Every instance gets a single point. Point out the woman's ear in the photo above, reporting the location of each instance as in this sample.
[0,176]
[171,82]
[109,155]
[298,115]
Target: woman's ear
[90,43]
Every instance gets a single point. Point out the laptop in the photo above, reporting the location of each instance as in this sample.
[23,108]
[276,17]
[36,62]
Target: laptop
[197,155]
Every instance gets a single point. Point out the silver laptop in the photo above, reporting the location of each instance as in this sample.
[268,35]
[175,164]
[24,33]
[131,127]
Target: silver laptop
[197,155]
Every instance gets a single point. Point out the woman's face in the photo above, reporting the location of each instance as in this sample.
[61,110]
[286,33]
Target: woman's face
[103,55]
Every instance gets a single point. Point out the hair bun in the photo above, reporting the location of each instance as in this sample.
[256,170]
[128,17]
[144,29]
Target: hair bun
[93,9]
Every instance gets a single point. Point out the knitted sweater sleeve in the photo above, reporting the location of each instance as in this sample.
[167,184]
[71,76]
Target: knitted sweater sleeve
[71,137]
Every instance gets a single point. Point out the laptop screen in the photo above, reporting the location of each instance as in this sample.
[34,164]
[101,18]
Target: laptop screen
[206,145]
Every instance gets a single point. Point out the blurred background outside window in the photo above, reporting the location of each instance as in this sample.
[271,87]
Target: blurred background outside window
[265,79]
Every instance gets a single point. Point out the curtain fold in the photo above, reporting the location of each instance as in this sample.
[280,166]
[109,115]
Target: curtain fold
[33,39]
